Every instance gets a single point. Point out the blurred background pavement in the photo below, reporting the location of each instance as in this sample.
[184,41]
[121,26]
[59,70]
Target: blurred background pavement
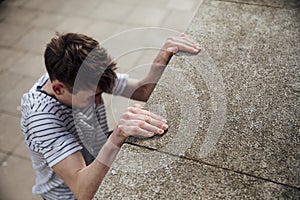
[25,28]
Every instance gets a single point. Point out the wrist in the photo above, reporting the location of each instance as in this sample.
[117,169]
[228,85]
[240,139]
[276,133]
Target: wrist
[108,153]
[117,138]
[163,58]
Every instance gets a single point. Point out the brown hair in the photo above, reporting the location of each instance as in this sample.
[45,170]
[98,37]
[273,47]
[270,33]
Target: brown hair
[68,53]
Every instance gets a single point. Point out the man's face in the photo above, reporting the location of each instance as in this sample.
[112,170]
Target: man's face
[82,98]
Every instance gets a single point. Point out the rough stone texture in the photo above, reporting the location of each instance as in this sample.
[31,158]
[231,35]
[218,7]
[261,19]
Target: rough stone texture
[235,107]
[254,59]
[183,179]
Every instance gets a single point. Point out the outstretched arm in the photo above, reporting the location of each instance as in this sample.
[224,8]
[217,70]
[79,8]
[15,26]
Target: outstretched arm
[141,89]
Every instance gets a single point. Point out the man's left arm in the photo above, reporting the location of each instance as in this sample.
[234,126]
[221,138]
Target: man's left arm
[141,89]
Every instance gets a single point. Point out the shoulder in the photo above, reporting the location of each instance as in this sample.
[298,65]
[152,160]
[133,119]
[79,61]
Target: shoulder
[120,84]
[41,129]
[39,102]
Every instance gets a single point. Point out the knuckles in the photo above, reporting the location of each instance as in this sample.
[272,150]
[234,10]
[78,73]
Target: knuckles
[169,42]
[170,39]
[141,123]
[121,130]
[126,115]
[135,122]
[122,121]
[135,130]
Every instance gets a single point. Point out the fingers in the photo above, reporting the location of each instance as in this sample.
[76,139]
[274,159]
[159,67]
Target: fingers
[172,50]
[146,113]
[182,43]
[140,122]
[160,124]
[140,125]
[135,131]
[185,44]
[138,106]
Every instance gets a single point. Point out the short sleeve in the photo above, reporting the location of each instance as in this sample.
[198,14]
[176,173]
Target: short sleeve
[120,84]
[47,135]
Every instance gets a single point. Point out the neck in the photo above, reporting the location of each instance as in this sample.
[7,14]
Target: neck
[64,99]
[47,87]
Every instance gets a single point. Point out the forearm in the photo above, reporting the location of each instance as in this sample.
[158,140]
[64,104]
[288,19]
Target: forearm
[147,84]
[141,90]
[83,180]
[90,177]
[89,180]
[157,68]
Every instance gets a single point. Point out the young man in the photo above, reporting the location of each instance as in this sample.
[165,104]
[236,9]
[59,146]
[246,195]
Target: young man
[63,116]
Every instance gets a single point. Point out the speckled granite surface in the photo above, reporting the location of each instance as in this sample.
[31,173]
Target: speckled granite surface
[233,112]
[185,179]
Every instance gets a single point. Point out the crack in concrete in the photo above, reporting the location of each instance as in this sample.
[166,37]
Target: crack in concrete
[215,166]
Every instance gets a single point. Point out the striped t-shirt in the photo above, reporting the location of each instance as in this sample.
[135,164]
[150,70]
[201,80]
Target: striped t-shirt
[53,131]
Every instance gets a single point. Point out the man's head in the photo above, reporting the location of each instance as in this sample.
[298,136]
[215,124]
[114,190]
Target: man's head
[77,63]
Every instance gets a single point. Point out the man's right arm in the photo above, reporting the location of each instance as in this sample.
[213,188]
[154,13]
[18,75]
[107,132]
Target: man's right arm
[84,180]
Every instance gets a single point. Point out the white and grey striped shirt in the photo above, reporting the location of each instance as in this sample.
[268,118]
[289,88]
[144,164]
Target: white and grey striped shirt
[53,131]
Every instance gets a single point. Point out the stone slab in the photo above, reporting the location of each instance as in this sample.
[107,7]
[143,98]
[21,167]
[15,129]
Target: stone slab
[21,150]
[8,58]
[236,104]
[8,77]
[47,20]
[16,182]
[10,132]
[16,15]
[140,16]
[35,40]
[101,30]
[11,33]
[2,156]
[181,23]
[29,65]
[167,177]
[78,7]
[73,24]
[178,5]
[103,11]
[11,97]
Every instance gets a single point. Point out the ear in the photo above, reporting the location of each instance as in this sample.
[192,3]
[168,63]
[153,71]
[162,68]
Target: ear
[58,88]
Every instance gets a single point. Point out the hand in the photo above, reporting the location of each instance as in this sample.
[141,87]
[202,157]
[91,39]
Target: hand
[139,122]
[174,45]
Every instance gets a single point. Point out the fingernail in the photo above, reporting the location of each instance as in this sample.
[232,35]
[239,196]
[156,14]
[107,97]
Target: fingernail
[160,131]
[165,126]
[164,120]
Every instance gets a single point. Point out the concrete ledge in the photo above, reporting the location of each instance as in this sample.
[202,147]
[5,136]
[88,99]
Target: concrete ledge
[233,112]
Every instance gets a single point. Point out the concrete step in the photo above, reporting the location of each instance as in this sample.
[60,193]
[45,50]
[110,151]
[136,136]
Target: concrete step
[233,112]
